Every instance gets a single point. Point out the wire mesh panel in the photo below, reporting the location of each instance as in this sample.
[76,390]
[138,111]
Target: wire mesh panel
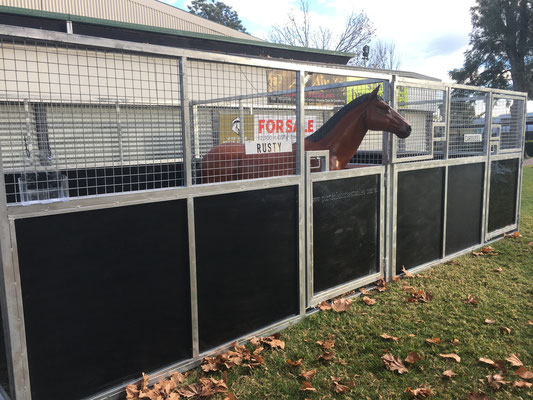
[467,135]
[325,96]
[243,122]
[425,109]
[77,121]
[507,123]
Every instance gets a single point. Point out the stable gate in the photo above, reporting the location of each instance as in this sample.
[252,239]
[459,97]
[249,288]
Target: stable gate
[118,259]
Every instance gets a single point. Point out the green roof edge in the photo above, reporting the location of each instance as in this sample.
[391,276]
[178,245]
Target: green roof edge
[168,31]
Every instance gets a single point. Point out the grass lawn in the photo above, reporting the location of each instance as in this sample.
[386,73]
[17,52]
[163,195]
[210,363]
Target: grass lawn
[506,297]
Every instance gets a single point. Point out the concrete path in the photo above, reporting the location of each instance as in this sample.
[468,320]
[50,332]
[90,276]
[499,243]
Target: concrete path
[529,161]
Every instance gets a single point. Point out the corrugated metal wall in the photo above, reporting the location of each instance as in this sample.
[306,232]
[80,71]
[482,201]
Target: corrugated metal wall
[149,12]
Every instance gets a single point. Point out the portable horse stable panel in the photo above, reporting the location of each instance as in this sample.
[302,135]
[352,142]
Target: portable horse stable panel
[119,258]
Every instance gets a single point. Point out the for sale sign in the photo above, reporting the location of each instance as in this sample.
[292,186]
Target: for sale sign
[276,133]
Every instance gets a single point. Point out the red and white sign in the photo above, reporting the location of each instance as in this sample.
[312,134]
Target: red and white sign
[276,133]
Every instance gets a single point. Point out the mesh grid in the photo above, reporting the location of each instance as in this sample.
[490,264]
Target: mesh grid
[507,122]
[243,122]
[77,121]
[467,123]
[325,95]
[425,110]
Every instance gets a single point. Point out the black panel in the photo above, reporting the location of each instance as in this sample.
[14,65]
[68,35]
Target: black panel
[247,262]
[464,207]
[503,191]
[105,294]
[419,221]
[345,230]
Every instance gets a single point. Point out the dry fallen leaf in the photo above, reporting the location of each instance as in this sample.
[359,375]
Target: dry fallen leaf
[488,321]
[338,387]
[419,392]
[273,341]
[407,273]
[326,356]
[524,373]
[530,243]
[499,269]
[307,387]
[368,301]
[513,235]
[412,357]
[324,306]
[449,373]
[496,381]
[294,363]
[341,304]
[308,375]
[522,384]
[433,341]
[486,361]
[393,363]
[451,355]
[132,392]
[488,249]
[530,321]
[382,285]
[477,253]
[388,337]
[326,344]
[504,329]
[398,277]
[514,361]
[363,291]
[230,396]
[455,342]
[420,296]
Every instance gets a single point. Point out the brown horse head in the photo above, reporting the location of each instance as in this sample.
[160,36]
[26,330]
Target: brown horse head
[382,117]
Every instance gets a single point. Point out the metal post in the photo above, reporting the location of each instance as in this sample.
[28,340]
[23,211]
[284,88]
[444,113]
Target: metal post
[486,186]
[447,116]
[11,304]
[390,227]
[185,121]
[302,187]
[241,122]
[187,166]
[521,162]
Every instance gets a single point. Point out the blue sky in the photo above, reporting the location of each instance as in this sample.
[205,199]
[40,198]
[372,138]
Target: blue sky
[431,36]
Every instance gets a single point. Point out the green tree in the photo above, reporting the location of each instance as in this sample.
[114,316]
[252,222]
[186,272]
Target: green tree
[217,11]
[502,46]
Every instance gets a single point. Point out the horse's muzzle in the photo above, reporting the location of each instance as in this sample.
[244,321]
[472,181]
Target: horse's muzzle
[404,133]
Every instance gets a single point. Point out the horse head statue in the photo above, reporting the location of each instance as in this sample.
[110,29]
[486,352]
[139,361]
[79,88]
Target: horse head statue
[382,117]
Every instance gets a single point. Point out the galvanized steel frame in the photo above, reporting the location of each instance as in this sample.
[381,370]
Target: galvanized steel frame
[11,300]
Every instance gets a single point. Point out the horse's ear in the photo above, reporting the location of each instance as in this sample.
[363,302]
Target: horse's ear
[374,93]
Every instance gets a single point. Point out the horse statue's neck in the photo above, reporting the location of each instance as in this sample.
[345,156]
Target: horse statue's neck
[342,134]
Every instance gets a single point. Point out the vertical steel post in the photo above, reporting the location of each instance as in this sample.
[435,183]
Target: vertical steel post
[187,166]
[521,162]
[241,122]
[390,193]
[185,121]
[486,186]
[302,188]
[11,305]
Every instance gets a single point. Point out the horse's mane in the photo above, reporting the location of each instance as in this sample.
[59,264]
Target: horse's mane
[330,123]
